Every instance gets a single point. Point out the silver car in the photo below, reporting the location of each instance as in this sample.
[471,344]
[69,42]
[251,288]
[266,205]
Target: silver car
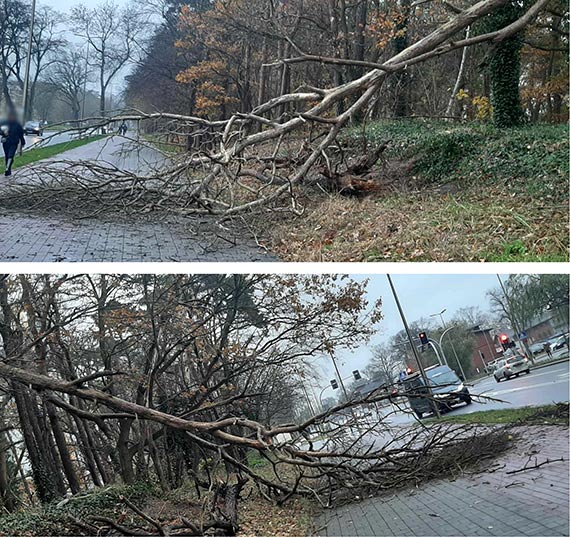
[511,367]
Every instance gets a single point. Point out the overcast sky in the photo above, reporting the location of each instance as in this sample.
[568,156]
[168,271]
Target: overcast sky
[420,296]
[66,5]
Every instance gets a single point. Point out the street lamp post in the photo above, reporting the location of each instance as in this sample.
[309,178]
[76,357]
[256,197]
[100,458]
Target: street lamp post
[414,350]
[28,63]
[440,315]
[432,343]
[85,75]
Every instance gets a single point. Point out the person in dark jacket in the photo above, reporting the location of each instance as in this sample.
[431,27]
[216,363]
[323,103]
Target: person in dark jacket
[12,134]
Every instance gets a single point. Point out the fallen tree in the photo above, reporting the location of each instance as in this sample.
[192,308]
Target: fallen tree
[189,379]
[254,160]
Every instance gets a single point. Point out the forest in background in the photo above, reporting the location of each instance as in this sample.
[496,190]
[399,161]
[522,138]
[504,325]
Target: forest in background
[215,58]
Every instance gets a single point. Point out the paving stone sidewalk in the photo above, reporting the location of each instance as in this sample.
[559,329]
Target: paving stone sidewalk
[29,237]
[530,503]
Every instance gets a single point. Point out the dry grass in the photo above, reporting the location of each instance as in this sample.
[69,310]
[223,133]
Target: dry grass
[464,192]
[488,224]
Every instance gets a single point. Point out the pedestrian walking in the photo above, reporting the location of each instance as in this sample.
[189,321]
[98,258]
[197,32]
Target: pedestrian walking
[12,135]
[547,349]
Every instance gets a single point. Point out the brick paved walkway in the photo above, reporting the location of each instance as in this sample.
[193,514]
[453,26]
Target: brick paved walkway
[29,237]
[533,503]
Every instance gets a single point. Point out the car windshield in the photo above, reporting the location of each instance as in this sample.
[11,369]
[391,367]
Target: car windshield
[443,378]
[514,359]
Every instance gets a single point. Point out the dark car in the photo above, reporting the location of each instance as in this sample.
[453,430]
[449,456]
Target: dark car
[446,387]
[33,128]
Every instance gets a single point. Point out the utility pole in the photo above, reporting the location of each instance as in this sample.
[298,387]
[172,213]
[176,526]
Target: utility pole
[28,63]
[339,377]
[415,351]
[514,320]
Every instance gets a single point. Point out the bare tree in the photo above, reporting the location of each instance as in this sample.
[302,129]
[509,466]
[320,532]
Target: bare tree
[176,378]
[111,32]
[68,76]
[14,20]
[13,44]
[385,364]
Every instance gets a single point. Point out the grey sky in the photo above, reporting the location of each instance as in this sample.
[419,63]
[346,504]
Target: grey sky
[420,296]
[65,5]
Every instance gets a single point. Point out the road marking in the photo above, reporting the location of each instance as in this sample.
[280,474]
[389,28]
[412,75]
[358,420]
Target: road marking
[521,388]
[532,375]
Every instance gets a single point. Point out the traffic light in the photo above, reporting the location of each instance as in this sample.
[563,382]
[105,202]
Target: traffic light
[424,340]
[334,384]
[409,370]
[505,341]
[356,374]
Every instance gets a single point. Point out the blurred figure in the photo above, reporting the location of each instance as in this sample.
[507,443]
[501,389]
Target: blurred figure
[547,349]
[12,134]
[123,129]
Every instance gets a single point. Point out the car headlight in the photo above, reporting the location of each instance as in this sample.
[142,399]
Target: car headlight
[460,388]
[440,395]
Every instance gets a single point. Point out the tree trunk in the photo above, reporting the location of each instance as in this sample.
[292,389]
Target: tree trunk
[452,100]
[401,42]
[125,459]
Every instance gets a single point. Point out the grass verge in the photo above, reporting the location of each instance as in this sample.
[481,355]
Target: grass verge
[468,193]
[541,415]
[41,153]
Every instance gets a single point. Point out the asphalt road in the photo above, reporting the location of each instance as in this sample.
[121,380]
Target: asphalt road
[543,386]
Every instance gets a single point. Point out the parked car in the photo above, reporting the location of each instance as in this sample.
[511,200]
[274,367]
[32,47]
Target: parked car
[33,128]
[446,387]
[512,367]
[537,348]
[559,343]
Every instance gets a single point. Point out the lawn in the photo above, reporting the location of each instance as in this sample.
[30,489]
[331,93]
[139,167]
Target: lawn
[41,153]
[537,415]
[458,192]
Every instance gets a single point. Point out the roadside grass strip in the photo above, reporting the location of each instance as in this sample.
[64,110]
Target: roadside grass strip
[41,153]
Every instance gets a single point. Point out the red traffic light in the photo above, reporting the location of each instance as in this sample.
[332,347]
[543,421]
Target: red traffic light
[424,340]
[409,370]
[505,341]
